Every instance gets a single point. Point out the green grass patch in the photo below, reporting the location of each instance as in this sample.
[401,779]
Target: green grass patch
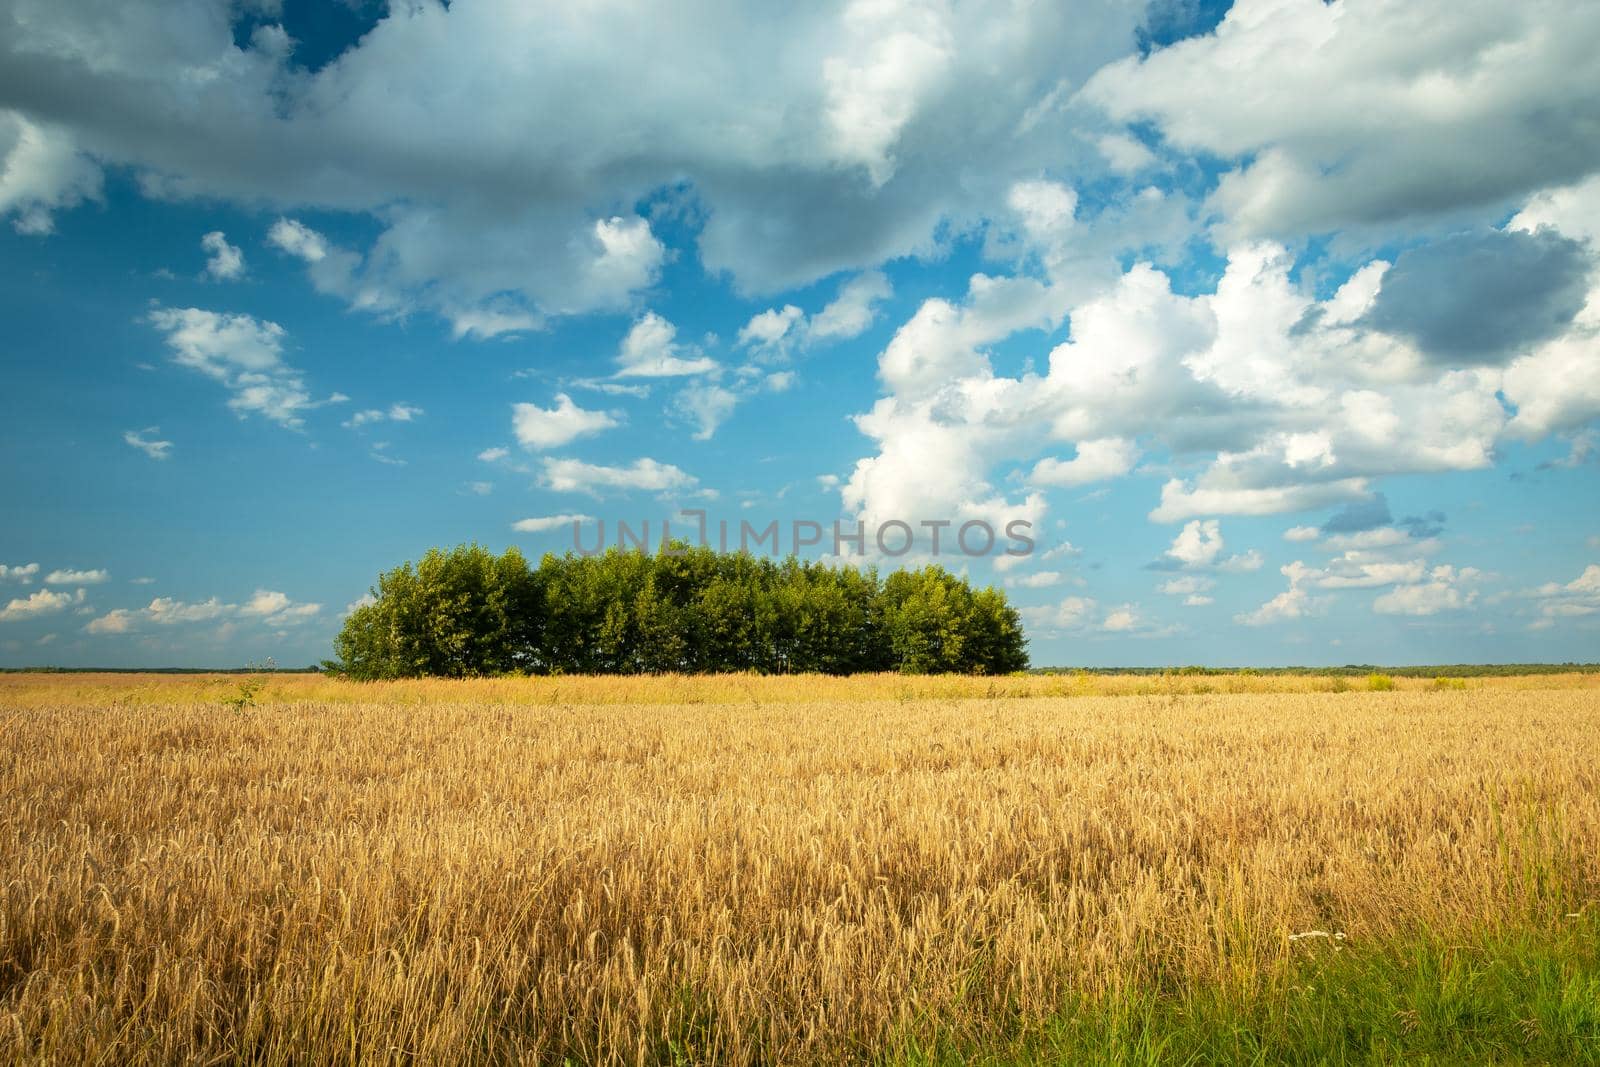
[1496,999]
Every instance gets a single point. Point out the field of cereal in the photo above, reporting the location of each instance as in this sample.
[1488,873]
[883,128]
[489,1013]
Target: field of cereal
[797,870]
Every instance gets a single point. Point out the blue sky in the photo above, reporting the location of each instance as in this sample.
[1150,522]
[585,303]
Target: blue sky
[1283,337]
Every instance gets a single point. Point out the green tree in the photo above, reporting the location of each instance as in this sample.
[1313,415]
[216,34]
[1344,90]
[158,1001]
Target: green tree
[935,623]
[996,643]
[925,617]
[456,613]
[469,612]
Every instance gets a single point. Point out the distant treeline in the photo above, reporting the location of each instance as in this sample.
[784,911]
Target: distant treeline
[1445,670]
[161,670]
[466,612]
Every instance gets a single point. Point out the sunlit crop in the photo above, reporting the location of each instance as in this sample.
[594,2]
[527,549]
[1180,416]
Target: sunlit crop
[743,869]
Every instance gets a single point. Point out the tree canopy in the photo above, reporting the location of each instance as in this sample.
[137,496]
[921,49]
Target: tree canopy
[465,611]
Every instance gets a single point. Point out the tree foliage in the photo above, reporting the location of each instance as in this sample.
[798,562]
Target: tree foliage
[466,612]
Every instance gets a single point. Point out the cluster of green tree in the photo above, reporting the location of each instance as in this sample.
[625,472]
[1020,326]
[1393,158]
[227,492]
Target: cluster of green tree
[469,612]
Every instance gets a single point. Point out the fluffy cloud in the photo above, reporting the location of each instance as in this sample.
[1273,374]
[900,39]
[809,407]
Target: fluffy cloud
[1382,537]
[70,577]
[380,285]
[1572,210]
[1125,154]
[1368,111]
[224,262]
[1351,571]
[363,601]
[1085,615]
[1292,603]
[571,475]
[1556,387]
[263,603]
[707,406]
[820,139]
[116,621]
[1244,561]
[1198,544]
[1070,613]
[304,243]
[539,428]
[853,310]
[1285,401]
[266,606]
[19,572]
[1222,494]
[1124,619]
[545,523]
[339,272]
[651,350]
[1444,590]
[772,331]
[244,355]
[1046,212]
[1038,580]
[1192,587]
[948,418]
[828,138]
[1296,602]
[1367,560]
[777,332]
[1371,556]
[276,609]
[146,441]
[825,141]
[393,413]
[165,611]
[1577,598]
[43,602]
[1095,461]
[41,171]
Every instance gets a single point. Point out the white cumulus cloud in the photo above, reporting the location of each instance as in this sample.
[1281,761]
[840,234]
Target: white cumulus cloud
[43,602]
[18,572]
[651,350]
[571,475]
[224,262]
[241,353]
[538,428]
[545,523]
[72,577]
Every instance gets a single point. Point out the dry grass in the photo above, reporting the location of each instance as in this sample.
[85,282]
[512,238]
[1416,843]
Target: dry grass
[789,870]
[126,690]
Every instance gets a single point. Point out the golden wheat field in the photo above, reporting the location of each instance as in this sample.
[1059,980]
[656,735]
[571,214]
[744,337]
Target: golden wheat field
[783,870]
